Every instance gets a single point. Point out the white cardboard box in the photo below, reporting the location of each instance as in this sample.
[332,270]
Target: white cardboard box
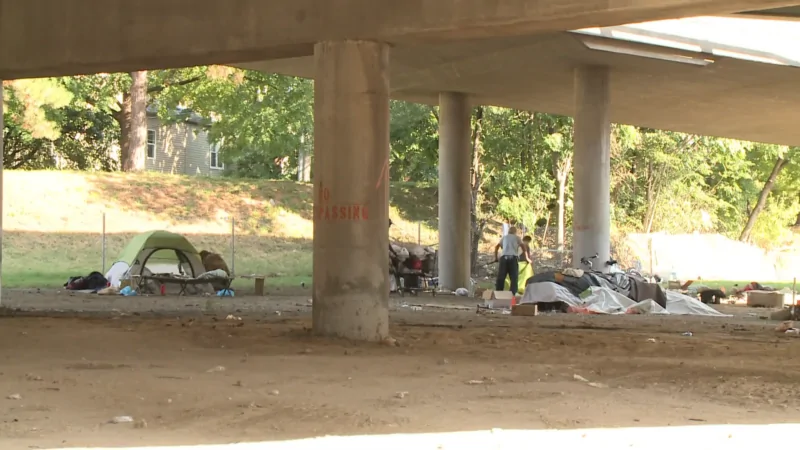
[497,299]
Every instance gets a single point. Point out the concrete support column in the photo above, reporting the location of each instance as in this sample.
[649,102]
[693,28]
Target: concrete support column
[454,190]
[2,125]
[592,167]
[351,190]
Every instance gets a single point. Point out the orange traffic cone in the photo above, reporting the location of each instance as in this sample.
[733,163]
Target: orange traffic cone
[513,301]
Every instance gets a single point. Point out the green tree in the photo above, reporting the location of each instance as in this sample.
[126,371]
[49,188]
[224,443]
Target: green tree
[261,122]
[414,139]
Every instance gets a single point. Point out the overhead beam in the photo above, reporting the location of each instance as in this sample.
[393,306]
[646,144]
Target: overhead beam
[67,37]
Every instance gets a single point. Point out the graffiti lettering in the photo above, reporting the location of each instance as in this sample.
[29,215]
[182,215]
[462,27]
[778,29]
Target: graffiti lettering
[343,212]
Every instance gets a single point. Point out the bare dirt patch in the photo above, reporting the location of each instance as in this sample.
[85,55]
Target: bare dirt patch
[187,374]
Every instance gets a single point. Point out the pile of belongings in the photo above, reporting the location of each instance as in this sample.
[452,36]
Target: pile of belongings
[410,262]
[92,282]
[603,300]
[576,291]
[578,281]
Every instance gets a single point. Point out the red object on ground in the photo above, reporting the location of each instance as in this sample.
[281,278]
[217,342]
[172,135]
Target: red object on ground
[163,289]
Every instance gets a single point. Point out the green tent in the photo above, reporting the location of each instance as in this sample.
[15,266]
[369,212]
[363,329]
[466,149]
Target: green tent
[160,252]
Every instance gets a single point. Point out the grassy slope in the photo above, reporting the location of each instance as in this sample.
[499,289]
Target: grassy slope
[53,221]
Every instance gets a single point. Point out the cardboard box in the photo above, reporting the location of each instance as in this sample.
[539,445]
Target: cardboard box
[765,299]
[497,299]
[528,309]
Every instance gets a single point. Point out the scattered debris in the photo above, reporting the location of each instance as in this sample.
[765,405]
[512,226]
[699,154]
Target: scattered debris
[121,419]
[274,392]
[484,380]
[14,397]
[593,384]
[444,361]
[216,369]
[785,326]
[238,384]
[277,313]
[140,424]
[391,342]
[577,377]
[687,334]
[32,377]
[173,377]
[232,317]
[416,308]
[401,394]
[652,340]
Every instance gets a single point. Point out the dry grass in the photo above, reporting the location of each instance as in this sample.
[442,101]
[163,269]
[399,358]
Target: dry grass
[53,221]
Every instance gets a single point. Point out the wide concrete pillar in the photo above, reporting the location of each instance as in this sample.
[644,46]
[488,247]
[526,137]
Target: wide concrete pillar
[592,167]
[2,125]
[454,190]
[351,190]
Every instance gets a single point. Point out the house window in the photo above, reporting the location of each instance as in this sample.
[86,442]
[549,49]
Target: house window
[151,144]
[216,162]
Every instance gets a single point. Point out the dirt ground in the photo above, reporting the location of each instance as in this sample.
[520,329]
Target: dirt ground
[187,374]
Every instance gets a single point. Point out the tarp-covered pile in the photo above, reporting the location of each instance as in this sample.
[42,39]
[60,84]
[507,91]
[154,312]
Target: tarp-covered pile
[604,300]
[578,281]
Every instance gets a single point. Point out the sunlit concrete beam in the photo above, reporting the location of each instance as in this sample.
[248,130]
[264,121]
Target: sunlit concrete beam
[67,37]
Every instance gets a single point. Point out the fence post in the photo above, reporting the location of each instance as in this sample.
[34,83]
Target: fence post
[233,246]
[104,243]
[419,233]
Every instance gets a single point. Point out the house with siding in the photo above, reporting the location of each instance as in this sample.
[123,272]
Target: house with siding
[181,148]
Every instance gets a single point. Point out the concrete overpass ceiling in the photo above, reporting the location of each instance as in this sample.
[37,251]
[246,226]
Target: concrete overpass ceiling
[68,37]
[789,12]
[729,97]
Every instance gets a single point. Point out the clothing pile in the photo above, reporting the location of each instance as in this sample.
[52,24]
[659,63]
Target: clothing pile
[577,281]
[92,282]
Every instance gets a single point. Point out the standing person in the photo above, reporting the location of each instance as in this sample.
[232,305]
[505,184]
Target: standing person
[527,252]
[511,244]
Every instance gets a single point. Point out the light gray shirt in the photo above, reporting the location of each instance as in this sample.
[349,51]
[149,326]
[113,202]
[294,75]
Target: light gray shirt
[510,244]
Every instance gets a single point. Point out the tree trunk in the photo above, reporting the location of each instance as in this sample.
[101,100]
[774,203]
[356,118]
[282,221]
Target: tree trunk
[304,161]
[797,222]
[649,197]
[137,138]
[762,199]
[123,118]
[477,222]
[562,175]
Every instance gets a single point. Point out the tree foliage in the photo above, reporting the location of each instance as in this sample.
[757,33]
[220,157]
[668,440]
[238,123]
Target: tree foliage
[522,161]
